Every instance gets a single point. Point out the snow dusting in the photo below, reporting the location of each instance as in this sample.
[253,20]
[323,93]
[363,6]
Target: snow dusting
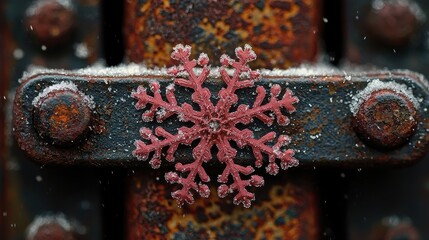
[134,69]
[50,219]
[81,50]
[34,8]
[63,86]
[375,85]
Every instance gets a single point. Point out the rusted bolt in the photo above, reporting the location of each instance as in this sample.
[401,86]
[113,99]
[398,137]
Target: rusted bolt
[51,22]
[393,22]
[386,118]
[395,228]
[62,114]
[54,227]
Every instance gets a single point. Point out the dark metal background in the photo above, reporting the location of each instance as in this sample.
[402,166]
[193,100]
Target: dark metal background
[30,189]
[401,195]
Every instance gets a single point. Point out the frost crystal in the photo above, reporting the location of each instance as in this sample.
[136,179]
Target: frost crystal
[214,125]
[375,85]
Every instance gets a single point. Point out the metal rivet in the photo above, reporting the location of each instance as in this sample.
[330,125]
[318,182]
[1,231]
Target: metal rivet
[385,119]
[51,22]
[395,228]
[54,227]
[52,231]
[393,23]
[62,116]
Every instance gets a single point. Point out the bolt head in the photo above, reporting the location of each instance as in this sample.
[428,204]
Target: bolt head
[62,117]
[53,232]
[50,22]
[386,119]
[392,23]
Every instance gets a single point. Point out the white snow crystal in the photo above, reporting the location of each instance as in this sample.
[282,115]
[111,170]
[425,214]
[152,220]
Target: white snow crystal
[64,86]
[34,8]
[375,85]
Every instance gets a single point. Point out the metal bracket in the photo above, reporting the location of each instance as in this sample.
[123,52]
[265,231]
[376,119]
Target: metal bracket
[336,122]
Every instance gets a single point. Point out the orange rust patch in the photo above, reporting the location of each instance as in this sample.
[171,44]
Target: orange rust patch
[63,116]
[282,33]
[285,209]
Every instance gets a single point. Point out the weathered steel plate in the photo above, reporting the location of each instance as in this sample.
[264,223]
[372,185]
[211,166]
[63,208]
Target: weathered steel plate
[321,128]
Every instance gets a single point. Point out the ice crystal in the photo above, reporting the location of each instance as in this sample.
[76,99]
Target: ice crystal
[214,125]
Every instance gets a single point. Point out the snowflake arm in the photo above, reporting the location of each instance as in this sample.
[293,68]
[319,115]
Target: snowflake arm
[162,109]
[245,115]
[245,138]
[226,155]
[201,154]
[227,97]
[201,95]
[143,150]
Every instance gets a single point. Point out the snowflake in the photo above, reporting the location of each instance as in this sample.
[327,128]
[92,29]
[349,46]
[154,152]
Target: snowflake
[214,125]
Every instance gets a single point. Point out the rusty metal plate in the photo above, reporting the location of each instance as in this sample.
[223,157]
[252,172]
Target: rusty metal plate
[285,209]
[285,32]
[322,128]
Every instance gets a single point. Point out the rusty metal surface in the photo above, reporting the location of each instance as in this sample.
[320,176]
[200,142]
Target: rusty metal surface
[285,33]
[393,24]
[50,22]
[386,119]
[395,194]
[62,117]
[321,129]
[76,48]
[389,37]
[286,209]
[33,189]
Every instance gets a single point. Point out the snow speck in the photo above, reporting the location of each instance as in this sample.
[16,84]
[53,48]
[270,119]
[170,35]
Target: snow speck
[18,53]
[325,20]
[43,47]
[39,178]
[81,50]
[376,85]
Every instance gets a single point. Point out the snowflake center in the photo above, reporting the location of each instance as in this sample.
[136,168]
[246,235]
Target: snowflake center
[214,126]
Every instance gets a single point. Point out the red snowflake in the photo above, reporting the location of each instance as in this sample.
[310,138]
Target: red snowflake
[214,125]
